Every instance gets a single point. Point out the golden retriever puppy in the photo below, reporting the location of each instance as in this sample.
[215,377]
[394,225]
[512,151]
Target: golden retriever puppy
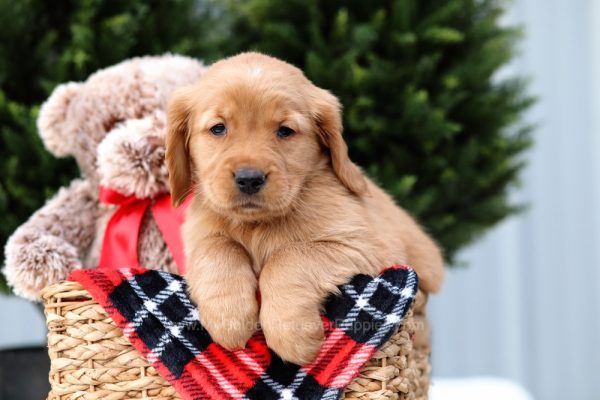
[278,206]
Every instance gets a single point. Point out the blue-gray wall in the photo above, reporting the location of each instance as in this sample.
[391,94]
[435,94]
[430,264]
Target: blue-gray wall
[528,307]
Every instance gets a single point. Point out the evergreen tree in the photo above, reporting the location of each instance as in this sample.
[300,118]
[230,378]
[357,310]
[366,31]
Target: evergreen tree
[425,115]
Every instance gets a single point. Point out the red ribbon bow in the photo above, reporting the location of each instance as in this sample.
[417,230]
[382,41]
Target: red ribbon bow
[120,243]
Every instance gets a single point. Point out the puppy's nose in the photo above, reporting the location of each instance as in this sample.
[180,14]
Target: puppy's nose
[249,180]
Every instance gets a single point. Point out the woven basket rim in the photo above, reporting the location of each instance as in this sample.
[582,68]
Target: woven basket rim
[91,359]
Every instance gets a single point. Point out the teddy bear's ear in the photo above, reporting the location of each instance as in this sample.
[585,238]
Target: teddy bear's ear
[52,118]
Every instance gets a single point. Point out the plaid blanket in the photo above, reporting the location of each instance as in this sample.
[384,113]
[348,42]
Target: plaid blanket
[155,313]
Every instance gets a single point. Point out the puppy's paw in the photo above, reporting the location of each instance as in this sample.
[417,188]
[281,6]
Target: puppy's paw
[229,321]
[295,337]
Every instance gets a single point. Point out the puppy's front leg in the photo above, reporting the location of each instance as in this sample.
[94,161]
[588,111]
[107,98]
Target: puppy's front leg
[294,283]
[222,283]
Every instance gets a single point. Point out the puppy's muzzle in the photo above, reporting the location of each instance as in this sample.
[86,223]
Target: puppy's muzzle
[249,180]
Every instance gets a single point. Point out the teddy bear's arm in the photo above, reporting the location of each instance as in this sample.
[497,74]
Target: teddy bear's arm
[53,242]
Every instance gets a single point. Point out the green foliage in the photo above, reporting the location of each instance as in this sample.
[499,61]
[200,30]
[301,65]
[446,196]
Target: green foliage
[425,115]
[44,43]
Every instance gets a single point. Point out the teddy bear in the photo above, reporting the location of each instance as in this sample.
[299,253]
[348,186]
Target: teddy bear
[113,124]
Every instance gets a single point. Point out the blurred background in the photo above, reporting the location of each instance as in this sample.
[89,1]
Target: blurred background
[480,116]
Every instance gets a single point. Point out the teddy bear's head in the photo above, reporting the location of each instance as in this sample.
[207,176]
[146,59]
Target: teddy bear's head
[113,123]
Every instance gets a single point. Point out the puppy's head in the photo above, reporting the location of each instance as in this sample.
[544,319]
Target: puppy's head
[250,134]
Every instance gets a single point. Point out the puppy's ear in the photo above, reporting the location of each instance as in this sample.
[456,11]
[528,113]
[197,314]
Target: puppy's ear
[328,117]
[177,153]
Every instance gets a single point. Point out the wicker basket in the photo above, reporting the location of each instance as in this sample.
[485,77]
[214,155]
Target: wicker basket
[91,359]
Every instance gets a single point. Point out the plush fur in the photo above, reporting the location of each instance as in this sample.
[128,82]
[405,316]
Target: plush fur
[140,140]
[317,222]
[113,124]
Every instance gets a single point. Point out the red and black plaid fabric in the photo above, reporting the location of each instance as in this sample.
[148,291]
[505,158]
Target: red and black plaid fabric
[155,313]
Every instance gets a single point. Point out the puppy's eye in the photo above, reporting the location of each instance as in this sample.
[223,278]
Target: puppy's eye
[218,130]
[284,132]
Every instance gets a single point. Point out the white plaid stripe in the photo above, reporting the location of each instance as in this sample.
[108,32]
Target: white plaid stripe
[285,392]
[175,288]
[331,394]
[354,364]
[172,329]
[406,297]
[335,336]
[233,391]
[250,362]
[361,302]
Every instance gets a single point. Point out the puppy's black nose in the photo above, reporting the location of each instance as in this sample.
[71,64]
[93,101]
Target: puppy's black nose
[249,180]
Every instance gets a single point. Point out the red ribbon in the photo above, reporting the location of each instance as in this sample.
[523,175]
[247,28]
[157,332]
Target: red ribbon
[120,243]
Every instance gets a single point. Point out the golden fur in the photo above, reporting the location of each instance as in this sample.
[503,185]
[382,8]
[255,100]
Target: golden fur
[317,221]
